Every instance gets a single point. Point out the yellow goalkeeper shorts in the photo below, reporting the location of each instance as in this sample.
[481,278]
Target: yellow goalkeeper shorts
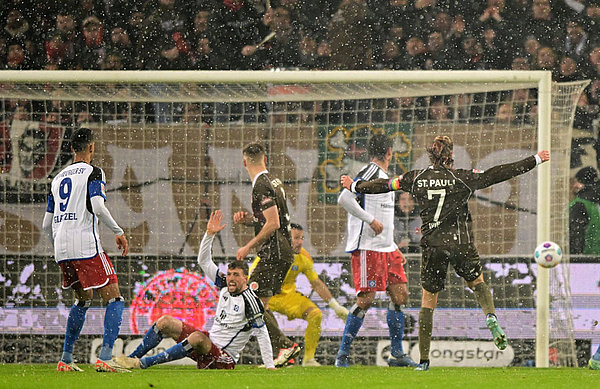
[293,305]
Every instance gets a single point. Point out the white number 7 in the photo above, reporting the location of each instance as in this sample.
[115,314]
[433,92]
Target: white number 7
[442,193]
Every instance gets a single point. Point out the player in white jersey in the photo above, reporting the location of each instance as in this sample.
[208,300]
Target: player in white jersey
[377,264]
[239,314]
[75,205]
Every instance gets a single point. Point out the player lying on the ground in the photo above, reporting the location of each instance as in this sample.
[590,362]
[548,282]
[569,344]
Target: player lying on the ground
[239,313]
[295,305]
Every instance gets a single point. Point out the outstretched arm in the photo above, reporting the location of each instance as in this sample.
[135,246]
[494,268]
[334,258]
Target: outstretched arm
[507,171]
[378,185]
[323,291]
[205,261]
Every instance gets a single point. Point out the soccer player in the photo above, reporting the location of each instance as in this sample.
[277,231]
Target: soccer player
[239,313]
[442,193]
[377,264]
[272,240]
[75,205]
[295,305]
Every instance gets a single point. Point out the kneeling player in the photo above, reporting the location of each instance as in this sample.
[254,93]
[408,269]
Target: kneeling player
[239,312]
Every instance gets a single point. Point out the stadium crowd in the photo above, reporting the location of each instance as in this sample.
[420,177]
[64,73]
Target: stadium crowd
[556,35]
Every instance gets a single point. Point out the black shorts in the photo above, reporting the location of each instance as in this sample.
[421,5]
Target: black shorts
[266,279]
[463,257]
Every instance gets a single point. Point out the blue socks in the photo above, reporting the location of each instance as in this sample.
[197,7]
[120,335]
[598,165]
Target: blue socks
[112,324]
[395,322]
[353,324]
[151,339]
[597,354]
[74,326]
[180,350]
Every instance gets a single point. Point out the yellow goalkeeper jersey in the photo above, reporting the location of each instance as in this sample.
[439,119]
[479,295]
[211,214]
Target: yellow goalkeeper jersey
[303,263]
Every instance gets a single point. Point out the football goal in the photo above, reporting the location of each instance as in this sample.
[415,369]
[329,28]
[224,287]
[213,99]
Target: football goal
[170,143]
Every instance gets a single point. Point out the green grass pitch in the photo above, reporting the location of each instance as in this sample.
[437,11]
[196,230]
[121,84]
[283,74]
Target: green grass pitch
[326,377]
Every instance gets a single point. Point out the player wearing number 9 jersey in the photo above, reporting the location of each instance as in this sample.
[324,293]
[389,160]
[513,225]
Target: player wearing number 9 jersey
[443,194]
[75,205]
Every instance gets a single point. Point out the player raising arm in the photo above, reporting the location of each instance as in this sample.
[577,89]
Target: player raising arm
[239,313]
[442,193]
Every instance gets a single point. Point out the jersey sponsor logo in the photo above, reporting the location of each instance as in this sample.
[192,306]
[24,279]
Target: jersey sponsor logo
[477,171]
[265,200]
[253,285]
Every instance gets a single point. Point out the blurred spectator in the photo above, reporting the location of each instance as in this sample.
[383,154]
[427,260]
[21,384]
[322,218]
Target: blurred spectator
[309,17]
[531,47]
[87,8]
[407,224]
[163,42]
[473,54]
[546,59]
[494,53]
[65,43]
[120,46]
[282,50]
[492,15]
[415,53]
[544,23]
[93,50]
[391,56]
[323,55]
[505,114]
[17,27]
[520,63]
[461,107]
[135,26]
[575,43]
[237,24]
[307,52]
[587,11]
[349,36]
[568,70]
[16,57]
[113,61]
[584,214]
[437,56]
[438,110]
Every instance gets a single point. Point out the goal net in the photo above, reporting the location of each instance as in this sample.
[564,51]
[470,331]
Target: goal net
[170,144]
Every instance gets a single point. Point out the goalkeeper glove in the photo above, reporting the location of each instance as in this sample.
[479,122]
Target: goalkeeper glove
[340,311]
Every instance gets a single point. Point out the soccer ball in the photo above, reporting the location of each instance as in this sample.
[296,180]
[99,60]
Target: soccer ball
[548,254]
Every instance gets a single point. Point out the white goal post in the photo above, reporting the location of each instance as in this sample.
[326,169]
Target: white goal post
[230,86]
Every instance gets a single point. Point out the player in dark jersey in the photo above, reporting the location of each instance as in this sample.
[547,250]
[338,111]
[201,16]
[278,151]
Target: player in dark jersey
[443,194]
[272,240]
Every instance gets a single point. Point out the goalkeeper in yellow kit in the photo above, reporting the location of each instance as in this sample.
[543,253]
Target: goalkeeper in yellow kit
[295,305]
